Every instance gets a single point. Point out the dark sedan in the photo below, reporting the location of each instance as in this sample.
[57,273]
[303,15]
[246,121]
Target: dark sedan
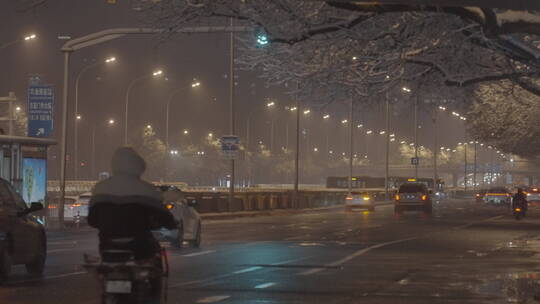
[22,237]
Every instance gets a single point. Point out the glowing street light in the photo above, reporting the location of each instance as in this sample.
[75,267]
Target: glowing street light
[79,117]
[111,121]
[149,126]
[210,134]
[315,149]
[18,109]
[186,132]
[30,37]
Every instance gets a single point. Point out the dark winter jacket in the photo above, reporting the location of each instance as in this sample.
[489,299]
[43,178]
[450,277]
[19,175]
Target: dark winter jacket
[124,206]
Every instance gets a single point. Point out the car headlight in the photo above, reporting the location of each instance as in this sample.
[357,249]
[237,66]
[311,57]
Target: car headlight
[366,198]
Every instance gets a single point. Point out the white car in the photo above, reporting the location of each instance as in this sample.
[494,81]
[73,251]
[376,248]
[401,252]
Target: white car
[189,220]
[359,200]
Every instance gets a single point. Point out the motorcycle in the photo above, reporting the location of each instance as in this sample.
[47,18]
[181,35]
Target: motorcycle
[125,280]
[519,213]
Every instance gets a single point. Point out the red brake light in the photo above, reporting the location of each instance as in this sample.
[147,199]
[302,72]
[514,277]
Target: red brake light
[349,198]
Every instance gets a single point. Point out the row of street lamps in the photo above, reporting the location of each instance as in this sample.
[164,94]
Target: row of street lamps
[154,74]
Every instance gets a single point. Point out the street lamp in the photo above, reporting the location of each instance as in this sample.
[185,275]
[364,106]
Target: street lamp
[186,132]
[194,84]
[268,105]
[25,38]
[110,123]
[18,109]
[130,86]
[78,115]
[149,127]
[30,37]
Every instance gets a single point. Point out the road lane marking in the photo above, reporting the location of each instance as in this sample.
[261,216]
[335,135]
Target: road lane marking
[265,285]
[227,275]
[212,299]
[198,253]
[52,277]
[60,250]
[250,269]
[367,249]
[62,243]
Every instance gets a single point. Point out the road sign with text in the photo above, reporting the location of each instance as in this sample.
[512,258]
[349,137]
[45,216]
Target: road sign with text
[40,110]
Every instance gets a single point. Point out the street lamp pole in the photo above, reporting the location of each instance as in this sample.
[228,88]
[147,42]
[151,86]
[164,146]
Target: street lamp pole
[386,166]
[297,152]
[465,160]
[435,149]
[351,142]
[76,125]
[416,136]
[130,86]
[231,110]
[475,164]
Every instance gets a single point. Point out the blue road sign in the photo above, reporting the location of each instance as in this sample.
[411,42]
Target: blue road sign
[40,110]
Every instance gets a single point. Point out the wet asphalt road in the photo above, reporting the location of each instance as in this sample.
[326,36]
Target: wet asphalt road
[463,253]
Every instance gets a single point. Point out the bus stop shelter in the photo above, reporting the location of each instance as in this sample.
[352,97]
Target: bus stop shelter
[23,163]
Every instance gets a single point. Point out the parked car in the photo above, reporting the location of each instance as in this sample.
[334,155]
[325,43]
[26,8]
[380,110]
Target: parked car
[498,196]
[183,210]
[413,196]
[22,236]
[359,200]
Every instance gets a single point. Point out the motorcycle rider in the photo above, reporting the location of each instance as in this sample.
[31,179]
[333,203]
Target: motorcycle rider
[125,208]
[519,200]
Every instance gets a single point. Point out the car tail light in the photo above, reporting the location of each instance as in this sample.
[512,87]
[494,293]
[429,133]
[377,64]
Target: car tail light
[424,197]
[169,206]
[349,198]
[477,195]
[518,209]
[397,197]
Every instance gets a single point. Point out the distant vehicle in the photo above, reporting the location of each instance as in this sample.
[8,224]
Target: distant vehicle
[413,196]
[22,237]
[359,200]
[479,196]
[498,196]
[183,210]
[533,196]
